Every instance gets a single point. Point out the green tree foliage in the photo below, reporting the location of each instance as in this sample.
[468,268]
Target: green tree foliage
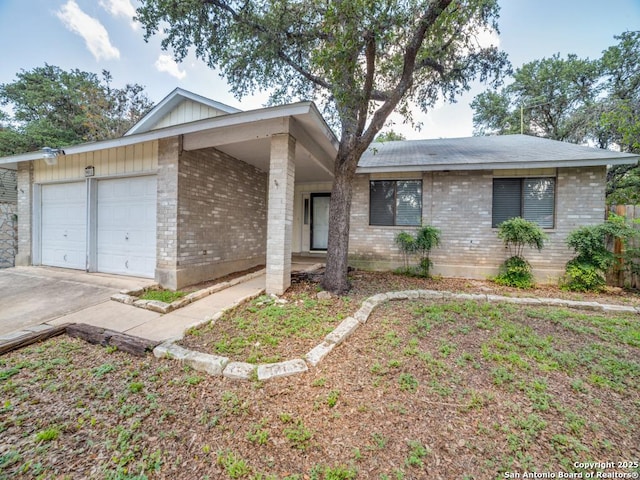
[517,234]
[360,59]
[551,92]
[53,107]
[575,100]
[390,136]
[621,117]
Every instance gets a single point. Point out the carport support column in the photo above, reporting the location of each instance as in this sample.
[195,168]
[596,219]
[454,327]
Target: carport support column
[280,213]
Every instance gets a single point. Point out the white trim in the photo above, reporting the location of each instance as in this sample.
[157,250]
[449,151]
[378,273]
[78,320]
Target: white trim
[235,119]
[600,162]
[92,224]
[171,101]
[36,227]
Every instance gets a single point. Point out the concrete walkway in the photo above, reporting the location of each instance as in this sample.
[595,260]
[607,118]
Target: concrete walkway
[115,316]
[158,327]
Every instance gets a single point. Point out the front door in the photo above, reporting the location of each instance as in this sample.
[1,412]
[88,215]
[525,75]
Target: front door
[319,220]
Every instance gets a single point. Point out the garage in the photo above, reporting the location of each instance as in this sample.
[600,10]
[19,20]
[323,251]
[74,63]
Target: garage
[63,227]
[126,226]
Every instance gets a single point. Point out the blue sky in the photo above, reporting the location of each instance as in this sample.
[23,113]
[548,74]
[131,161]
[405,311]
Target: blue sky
[93,35]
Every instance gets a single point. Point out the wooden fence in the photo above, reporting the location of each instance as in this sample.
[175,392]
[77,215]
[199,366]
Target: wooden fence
[621,275]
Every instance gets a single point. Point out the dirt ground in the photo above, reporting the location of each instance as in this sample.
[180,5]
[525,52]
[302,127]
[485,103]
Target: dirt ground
[423,390]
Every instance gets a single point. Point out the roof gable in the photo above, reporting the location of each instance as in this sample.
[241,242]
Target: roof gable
[180,106]
[484,153]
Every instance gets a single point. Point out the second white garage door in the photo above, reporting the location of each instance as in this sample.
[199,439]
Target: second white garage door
[126,226]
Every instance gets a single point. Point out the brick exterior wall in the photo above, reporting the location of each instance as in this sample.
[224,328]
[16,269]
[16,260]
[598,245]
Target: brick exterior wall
[460,204]
[212,216]
[25,212]
[167,212]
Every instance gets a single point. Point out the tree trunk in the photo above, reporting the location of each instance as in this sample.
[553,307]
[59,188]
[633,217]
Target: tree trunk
[335,277]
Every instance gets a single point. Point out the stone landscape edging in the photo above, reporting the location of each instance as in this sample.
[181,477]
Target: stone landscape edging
[218,365]
[130,297]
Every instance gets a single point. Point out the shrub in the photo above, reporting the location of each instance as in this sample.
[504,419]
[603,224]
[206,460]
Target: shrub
[587,270]
[516,234]
[407,244]
[515,272]
[582,277]
[426,238]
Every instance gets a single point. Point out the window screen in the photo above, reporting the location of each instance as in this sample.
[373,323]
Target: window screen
[530,198]
[394,202]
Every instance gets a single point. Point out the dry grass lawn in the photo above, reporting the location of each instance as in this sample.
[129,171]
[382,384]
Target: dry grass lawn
[433,390]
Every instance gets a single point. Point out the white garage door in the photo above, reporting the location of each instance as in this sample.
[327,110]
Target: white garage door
[126,226]
[63,227]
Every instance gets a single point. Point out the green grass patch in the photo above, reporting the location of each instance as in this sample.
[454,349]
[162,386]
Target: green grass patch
[48,434]
[254,331]
[166,296]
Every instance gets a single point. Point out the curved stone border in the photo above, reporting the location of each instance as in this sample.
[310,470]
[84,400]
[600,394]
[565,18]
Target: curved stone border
[216,365]
[130,297]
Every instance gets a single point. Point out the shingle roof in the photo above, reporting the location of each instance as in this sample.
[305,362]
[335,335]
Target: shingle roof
[484,153]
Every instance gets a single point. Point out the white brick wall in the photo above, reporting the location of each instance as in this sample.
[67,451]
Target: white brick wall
[211,215]
[459,204]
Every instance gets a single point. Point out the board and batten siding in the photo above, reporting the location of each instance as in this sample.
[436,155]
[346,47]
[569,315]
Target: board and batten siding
[187,111]
[132,159]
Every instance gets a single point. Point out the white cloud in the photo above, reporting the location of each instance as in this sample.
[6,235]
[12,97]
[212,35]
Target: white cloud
[95,35]
[167,64]
[120,8]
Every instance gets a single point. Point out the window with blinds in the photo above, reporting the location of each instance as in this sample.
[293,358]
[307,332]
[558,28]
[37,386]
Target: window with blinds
[395,202]
[530,198]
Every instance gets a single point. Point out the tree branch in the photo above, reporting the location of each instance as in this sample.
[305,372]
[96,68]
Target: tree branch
[427,20]
[280,52]
[370,55]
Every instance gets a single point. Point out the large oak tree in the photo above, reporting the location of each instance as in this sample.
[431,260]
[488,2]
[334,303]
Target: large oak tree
[360,59]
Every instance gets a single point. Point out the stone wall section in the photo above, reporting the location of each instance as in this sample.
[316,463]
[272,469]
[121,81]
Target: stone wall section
[460,205]
[8,234]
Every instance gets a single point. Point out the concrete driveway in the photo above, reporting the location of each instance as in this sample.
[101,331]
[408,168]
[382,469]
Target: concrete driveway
[33,295]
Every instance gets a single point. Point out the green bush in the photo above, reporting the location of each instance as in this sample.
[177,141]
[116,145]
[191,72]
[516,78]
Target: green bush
[516,234]
[426,238]
[515,272]
[587,270]
[582,277]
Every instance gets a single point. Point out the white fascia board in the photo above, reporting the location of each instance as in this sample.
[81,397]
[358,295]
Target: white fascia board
[233,119]
[498,166]
[171,101]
